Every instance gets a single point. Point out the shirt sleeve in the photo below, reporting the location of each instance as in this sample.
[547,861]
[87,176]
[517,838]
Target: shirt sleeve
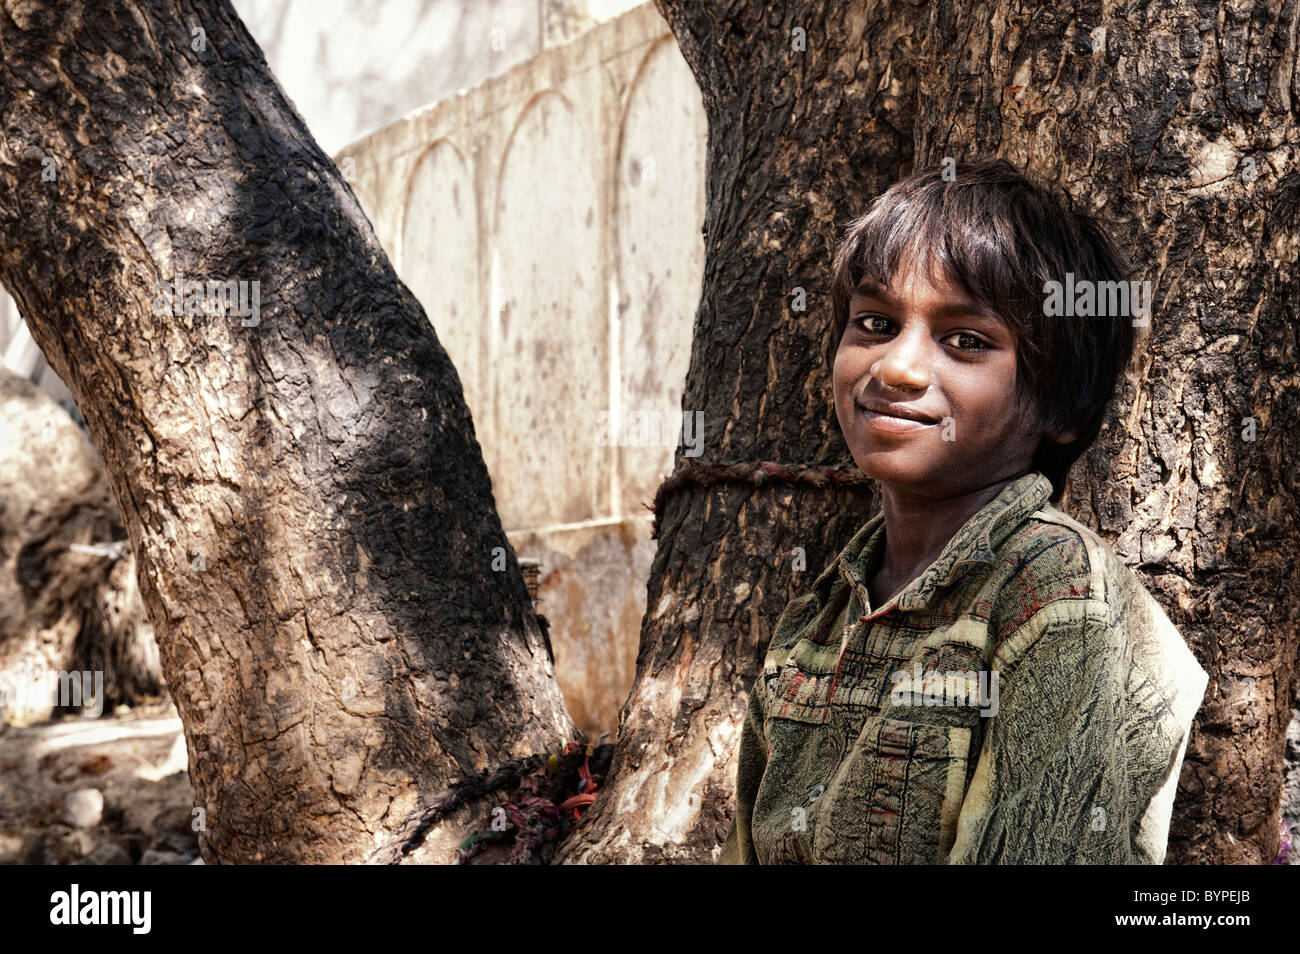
[751,762]
[1053,782]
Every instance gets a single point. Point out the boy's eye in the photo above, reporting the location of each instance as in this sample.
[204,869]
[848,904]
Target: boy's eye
[880,325]
[968,342]
[868,323]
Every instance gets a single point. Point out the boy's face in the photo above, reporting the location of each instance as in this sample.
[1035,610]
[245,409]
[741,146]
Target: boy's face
[929,351]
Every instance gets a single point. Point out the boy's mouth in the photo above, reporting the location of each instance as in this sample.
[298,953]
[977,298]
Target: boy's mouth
[894,418]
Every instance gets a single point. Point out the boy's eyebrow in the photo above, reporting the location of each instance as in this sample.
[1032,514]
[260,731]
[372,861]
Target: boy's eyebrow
[961,306]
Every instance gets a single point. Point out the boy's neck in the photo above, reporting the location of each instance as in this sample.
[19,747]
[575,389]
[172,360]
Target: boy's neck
[916,531]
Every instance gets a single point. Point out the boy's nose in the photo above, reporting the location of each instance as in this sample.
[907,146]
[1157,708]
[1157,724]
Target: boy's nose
[902,366]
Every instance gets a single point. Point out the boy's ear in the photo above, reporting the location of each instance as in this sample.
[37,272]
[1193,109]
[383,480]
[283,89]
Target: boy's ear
[1061,435]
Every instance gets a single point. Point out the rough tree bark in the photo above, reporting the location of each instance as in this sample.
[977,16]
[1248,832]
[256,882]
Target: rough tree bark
[1178,126]
[313,523]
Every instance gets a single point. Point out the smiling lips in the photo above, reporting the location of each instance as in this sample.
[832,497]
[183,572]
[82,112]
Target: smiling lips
[894,418]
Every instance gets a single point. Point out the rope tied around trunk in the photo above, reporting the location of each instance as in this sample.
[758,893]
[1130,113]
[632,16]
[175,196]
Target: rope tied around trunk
[693,473]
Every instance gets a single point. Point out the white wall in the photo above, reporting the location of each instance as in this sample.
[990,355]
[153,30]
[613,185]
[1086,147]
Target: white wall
[354,66]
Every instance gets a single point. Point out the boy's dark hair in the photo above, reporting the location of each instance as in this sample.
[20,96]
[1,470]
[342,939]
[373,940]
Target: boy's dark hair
[1001,237]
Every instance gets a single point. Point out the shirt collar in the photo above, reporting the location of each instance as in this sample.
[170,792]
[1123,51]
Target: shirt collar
[976,542]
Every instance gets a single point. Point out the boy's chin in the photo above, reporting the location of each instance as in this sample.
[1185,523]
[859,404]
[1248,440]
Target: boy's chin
[895,469]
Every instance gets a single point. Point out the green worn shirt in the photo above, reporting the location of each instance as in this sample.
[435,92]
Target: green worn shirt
[1024,701]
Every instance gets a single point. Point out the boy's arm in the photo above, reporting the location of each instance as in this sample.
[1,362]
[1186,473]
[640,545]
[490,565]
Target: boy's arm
[1079,749]
[751,761]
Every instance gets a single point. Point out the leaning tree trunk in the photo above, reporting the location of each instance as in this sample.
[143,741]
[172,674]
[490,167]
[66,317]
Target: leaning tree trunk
[1177,129]
[341,619]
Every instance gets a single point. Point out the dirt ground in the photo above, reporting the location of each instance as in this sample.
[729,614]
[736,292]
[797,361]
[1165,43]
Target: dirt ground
[135,759]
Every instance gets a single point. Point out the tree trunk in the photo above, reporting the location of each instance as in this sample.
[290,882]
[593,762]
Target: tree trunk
[341,619]
[1177,129]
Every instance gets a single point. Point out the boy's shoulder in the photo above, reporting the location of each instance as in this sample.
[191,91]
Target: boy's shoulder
[1047,566]
[1052,556]
[1056,568]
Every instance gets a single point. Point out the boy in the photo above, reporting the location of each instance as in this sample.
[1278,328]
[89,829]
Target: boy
[977,678]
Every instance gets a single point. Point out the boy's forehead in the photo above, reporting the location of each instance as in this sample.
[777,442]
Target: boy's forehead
[944,287]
